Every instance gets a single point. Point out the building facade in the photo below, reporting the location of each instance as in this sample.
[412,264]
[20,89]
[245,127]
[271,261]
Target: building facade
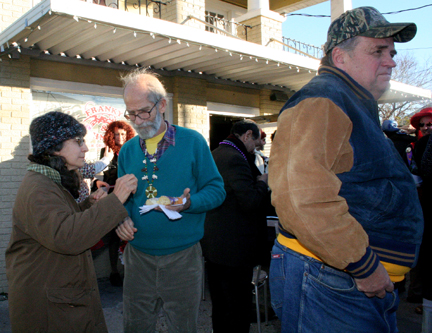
[219,61]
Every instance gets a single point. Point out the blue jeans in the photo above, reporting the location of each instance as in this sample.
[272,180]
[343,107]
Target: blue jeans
[309,296]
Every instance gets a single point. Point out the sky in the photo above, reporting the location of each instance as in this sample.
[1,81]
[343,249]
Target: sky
[313,30]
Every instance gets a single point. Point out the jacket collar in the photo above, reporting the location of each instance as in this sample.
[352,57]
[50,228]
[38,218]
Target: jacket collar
[51,173]
[357,89]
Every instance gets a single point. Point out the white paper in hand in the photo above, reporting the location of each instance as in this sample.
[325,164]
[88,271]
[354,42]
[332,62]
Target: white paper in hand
[171,214]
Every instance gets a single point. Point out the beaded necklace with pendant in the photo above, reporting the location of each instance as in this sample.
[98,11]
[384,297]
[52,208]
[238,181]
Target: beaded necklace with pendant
[151,191]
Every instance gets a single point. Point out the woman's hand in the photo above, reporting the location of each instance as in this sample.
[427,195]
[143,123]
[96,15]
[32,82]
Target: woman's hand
[125,186]
[97,195]
[109,153]
[126,230]
[100,183]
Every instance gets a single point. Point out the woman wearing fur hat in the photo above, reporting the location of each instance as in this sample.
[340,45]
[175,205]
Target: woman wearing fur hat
[52,282]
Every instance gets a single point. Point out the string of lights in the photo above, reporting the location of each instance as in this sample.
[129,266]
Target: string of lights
[389,13]
[26,42]
[137,34]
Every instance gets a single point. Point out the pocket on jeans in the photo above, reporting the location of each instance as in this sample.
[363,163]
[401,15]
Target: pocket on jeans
[277,280]
[331,279]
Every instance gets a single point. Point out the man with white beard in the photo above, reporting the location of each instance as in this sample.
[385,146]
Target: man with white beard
[163,259]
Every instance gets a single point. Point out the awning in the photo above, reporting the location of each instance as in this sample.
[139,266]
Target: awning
[81,31]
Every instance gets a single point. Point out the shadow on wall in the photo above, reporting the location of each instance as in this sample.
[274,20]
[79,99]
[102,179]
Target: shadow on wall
[12,171]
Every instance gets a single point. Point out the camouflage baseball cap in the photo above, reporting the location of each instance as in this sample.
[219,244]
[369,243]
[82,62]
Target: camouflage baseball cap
[367,22]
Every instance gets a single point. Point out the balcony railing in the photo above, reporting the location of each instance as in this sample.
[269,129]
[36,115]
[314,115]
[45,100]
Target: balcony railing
[294,46]
[212,22]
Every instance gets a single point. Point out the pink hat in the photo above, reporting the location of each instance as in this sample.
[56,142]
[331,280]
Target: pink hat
[415,119]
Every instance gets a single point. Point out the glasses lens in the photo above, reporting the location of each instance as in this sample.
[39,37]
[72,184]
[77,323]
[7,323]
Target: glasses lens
[80,141]
[422,124]
[128,116]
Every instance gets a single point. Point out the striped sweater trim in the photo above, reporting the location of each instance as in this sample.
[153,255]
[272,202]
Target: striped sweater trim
[365,266]
[360,92]
[394,252]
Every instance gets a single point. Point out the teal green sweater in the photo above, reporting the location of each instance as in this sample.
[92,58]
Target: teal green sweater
[188,164]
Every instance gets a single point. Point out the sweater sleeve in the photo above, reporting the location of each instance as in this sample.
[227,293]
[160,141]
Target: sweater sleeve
[101,164]
[210,187]
[310,149]
[88,170]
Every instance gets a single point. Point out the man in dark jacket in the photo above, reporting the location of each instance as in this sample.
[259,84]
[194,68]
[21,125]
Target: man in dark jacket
[233,231]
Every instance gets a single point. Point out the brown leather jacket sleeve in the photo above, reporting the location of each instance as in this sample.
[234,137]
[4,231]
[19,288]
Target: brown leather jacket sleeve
[312,146]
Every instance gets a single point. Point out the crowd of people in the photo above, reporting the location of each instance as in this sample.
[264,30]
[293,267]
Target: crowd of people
[350,212]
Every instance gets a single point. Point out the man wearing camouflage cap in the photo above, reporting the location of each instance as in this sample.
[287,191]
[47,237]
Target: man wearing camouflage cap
[350,220]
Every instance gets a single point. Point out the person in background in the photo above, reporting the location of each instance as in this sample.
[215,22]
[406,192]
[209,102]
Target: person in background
[350,218]
[50,272]
[117,133]
[401,139]
[426,247]
[89,172]
[163,258]
[261,161]
[420,286]
[234,231]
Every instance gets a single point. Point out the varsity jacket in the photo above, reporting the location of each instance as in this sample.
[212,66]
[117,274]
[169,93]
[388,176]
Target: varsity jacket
[340,189]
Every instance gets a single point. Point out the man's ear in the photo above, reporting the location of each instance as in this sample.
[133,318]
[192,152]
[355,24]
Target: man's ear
[338,56]
[162,105]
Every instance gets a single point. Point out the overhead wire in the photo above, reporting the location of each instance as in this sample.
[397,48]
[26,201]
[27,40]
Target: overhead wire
[396,12]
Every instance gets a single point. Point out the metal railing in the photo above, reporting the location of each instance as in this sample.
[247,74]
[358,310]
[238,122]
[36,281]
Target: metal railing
[212,23]
[220,26]
[294,46]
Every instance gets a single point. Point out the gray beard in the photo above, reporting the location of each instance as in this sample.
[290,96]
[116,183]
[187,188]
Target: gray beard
[149,129]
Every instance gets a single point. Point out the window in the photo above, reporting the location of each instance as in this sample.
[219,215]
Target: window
[216,20]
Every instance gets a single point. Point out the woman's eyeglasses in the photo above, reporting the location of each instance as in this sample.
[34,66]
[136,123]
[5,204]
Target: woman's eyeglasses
[422,124]
[80,140]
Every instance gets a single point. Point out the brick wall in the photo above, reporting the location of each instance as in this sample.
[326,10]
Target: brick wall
[190,104]
[14,121]
[263,28]
[178,10]
[10,10]
[15,100]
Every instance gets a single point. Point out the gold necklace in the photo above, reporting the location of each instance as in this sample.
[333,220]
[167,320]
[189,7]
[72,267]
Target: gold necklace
[151,191]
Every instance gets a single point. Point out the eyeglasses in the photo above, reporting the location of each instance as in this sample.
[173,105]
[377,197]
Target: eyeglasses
[141,114]
[422,124]
[80,140]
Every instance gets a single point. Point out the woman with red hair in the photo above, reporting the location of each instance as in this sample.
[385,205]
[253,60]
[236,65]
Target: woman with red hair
[117,133]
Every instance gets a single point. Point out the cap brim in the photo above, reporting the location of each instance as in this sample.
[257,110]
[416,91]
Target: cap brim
[401,32]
